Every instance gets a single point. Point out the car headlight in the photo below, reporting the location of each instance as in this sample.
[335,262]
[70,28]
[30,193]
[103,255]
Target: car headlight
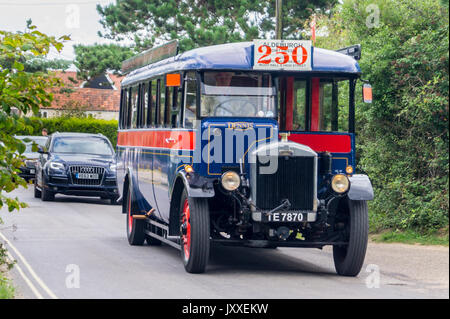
[340,183]
[230,180]
[56,165]
[112,167]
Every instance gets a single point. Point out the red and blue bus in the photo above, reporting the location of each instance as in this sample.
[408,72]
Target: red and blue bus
[246,144]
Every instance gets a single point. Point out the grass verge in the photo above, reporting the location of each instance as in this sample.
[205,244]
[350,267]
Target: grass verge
[6,289]
[412,237]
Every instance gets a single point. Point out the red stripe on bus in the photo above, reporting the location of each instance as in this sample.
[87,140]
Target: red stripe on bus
[315,96]
[179,140]
[324,142]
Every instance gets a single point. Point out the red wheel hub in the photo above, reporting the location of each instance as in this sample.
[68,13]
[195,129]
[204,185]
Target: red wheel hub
[186,229]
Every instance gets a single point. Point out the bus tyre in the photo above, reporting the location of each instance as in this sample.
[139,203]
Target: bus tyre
[348,260]
[37,192]
[194,233]
[135,227]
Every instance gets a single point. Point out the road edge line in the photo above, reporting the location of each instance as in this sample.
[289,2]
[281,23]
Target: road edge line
[24,277]
[27,265]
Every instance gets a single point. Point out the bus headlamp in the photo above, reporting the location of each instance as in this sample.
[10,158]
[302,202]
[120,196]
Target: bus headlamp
[340,183]
[230,180]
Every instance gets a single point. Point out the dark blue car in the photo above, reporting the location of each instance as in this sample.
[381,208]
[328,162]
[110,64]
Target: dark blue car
[76,164]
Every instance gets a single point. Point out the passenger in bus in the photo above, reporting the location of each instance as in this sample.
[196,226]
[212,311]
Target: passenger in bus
[223,78]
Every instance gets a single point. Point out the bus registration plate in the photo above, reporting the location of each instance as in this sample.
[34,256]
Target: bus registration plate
[284,217]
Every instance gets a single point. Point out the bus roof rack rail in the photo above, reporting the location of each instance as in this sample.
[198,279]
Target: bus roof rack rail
[353,51]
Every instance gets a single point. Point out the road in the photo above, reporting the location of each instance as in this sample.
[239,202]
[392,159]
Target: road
[76,247]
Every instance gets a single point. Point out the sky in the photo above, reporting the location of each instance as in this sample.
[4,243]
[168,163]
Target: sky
[77,18]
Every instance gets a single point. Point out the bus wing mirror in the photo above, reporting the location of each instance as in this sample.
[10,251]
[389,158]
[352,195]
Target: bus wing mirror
[367,93]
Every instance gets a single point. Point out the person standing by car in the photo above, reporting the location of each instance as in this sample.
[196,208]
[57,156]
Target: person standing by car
[44,132]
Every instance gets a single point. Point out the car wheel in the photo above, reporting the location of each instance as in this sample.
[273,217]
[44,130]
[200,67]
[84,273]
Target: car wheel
[135,227]
[37,192]
[46,194]
[348,260]
[194,233]
[113,201]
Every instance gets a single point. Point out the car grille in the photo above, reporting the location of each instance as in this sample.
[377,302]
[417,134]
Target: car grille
[86,170]
[293,180]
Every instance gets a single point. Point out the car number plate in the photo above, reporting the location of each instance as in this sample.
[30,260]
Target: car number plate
[32,171]
[284,217]
[86,176]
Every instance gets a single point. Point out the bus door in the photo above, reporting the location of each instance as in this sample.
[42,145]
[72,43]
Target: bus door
[144,170]
[309,111]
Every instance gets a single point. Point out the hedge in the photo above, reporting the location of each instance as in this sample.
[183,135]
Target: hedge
[71,124]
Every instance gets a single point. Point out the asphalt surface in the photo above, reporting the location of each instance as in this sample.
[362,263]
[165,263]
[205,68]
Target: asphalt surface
[76,247]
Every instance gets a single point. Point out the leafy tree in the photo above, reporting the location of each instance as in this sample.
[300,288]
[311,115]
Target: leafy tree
[198,22]
[24,91]
[32,63]
[42,64]
[403,135]
[92,60]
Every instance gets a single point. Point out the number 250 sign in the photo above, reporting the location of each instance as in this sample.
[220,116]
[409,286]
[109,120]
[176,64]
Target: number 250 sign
[282,55]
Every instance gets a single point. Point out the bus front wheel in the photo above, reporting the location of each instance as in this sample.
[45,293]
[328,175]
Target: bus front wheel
[348,260]
[194,233]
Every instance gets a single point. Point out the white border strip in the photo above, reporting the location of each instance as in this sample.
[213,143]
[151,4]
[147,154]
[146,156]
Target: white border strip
[25,278]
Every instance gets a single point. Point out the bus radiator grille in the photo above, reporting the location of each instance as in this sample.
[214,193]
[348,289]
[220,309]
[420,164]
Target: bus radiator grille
[293,180]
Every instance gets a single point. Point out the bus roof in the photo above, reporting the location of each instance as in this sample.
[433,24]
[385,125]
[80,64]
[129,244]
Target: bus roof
[236,57]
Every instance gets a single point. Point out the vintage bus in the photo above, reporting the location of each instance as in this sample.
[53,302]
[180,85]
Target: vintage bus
[249,144]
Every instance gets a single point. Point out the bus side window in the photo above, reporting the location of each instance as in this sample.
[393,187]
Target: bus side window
[128,109]
[144,105]
[299,108]
[122,107]
[134,106]
[167,106]
[153,93]
[160,101]
[190,100]
[176,102]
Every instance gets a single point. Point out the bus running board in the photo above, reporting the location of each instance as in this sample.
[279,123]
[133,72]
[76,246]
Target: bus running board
[157,229]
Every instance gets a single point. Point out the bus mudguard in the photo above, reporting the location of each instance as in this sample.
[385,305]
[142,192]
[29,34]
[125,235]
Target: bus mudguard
[360,187]
[196,185]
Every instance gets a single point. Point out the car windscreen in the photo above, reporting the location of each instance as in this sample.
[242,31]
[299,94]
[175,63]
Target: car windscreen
[82,145]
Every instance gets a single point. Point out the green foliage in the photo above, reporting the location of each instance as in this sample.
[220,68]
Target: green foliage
[41,64]
[36,64]
[92,60]
[6,290]
[197,23]
[70,124]
[403,135]
[25,91]
[412,237]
